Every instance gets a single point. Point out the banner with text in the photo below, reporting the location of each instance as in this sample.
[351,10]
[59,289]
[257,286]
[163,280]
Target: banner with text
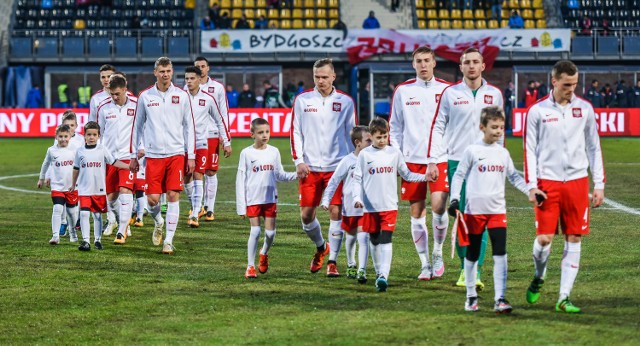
[271,41]
[610,121]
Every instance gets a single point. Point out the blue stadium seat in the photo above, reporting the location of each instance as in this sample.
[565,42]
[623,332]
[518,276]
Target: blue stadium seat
[177,46]
[47,47]
[100,47]
[582,46]
[21,47]
[631,45]
[126,47]
[73,47]
[608,46]
[152,46]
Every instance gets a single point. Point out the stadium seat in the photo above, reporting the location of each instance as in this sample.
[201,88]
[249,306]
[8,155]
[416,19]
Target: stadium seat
[297,3]
[236,13]
[309,24]
[101,47]
[514,4]
[309,14]
[261,4]
[456,14]
[274,24]
[297,24]
[469,24]
[261,12]
[525,3]
[430,3]
[445,24]
[456,24]
[443,14]
[285,24]
[309,4]
[538,14]
[527,14]
[479,14]
[529,24]
[537,4]
[421,14]
[177,45]
[321,24]
[272,14]
[321,13]
[250,13]
[334,13]
[481,24]
[332,22]
[432,14]
[79,24]
[420,4]
[225,3]
[504,23]
[285,13]
[296,14]
[422,24]
[467,14]
[237,4]
[334,3]
[541,23]
[493,24]
[433,24]
[321,4]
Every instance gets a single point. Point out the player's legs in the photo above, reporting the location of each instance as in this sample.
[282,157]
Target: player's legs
[498,236]
[252,243]
[420,236]
[56,219]
[196,199]
[141,204]
[440,224]
[126,208]
[336,236]
[351,235]
[71,200]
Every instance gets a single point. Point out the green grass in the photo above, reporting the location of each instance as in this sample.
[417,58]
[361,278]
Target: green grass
[133,294]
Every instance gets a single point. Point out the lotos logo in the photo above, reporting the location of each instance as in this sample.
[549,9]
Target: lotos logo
[488,99]
[175,99]
[372,171]
[211,89]
[260,168]
[438,97]
[153,104]
[491,168]
[201,103]
[463,102]
[412,103]
[131,112]
[337,106]
[576,112]
[380,170]
[311,110]
[64,163]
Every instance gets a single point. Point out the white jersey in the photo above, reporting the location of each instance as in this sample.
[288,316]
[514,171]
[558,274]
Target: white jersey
[97,99]
[484,167]
[76,142]
[562,142]
[205,111]
[258,172]
[344,173]
[58,166]
[320,129]
[92,166]
[216,89]
[376,178]
[115,126]
[413,108]
[457,121]
[164,122]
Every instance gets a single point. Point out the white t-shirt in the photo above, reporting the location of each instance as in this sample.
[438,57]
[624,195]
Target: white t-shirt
[344,173]
[58,166]
[92,163]
[115,126]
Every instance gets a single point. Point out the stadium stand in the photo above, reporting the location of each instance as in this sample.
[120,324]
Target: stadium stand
[298,14]
[603,14]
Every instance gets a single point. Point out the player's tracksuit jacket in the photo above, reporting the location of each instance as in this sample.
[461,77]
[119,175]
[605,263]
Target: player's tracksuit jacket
[206,110]
[216,89]
[99,98]
[115,126]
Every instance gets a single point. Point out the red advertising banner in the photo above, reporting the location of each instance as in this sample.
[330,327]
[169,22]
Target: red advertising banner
[610,121]
[41,122]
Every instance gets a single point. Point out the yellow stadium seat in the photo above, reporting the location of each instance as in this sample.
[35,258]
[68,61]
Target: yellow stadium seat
[334,3]
[249,4]
[285,24]
[456,14]
[538,14]
[321,13]
[433,24]
[273,14]
[333,22]
[514,4]
[321,4]
[273,24]
[296,14]
[321,24]
[529,24]
[237,3]
[493,24]
[236,13]
[525,3]
[79,24]
[225,4]
[443,14]
[261,3]
[445,24]
[422,24]
[432,14]
[505,13]
[467,14]
[309,13]
[285,13]
[420,3]
[504,23]
[334,13]
[261,12]
[541,23]
[431,3]
[457,24]
[527,14]
[297,24]
[309,24]
[297,4]
[537,4]
[488,14]
[250,13]
[481,24]
[309,4]
[421,14]
[478,14]
[469,24]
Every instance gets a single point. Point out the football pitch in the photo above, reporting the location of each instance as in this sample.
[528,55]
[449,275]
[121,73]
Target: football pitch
[132,294]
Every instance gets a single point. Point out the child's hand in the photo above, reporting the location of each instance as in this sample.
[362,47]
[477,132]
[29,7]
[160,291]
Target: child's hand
[358,205]
[227,151]
[47,182]
[325,207]
[453,208]
[538,196]
[40,182]
[73,187]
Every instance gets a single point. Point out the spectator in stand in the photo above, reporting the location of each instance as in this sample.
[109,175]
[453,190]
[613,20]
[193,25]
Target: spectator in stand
[273,4]
[261,23]
[573,4]
[224,22]
[340,25]
[243,23]
[542,89]
[394,5]
[34,98]
[232,96]
[585,25]
[300,87]
[271,95]
[515,20]
[496,13]
[207,24]
[509,103]
[273,24]
[530,94]
[371,22]
[608,98]
[593,95]
[635,96]
[214,14]
[622,95]
[247,98]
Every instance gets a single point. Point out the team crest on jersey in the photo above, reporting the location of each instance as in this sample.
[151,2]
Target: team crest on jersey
[488,99]
[211,89]
[201,102]
[438,97]
[175,99]
[577,112]
[131,112]
[337,106]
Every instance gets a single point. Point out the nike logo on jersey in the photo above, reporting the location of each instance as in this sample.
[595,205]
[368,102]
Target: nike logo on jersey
[369,162]
[55,158]
[252,161]
[584,227]
[480,159]
[391,224]
[411,98]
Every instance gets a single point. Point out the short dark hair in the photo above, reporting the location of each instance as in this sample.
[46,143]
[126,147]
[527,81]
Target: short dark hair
[257,122]
[378,124]
[162,61]
[120,73]
[421,50]
[564,66]
[491,113]
[594,81]
[117,81]
[201,58]
[323,62]
[91,125]
[471,50]
[107,67]
[357,132]
[193,69]
[69,115]
[63,128]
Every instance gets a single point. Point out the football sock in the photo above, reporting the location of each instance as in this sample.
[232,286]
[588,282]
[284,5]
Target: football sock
[188,189]
[196,198]
[269,237]
[155,213]
[142,203]
[461,251]
[420,239]
[72,214]
[112,209]
[63,217]
[440,223]
[56,219]
[126,205]
[211,183]
[483,251]
[350,249]
[252,245]
[540,257]
[499,276]
[570,266]
[163,199]
[314,233]
[173,212]
[363,250]
[375,256]
[336,234]
[85,227]
[97,226]
[470,277]
[386,252]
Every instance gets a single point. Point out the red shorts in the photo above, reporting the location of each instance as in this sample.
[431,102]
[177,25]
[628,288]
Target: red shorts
[380,221]
[201,160]
[411,191]
[213,151]
[117,178]
[163,174]
[70,198]
[140,185]
[312,187]
[264,210]
[477,223]
[351,222]
[568,202]
[95,204]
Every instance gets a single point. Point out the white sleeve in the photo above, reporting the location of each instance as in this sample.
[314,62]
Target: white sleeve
[190,129]
[93,109]
[281,175]
[436,137]
[296,136]
[339,175]
[45,165]
[137,133]
[223,109]
[502,141]
[514,177]
[461,173]
[357,180]
[108,158]
[218,119]
[350,124]
[530,138]
[241,199]
[405,173]
[396,121]
[594,152]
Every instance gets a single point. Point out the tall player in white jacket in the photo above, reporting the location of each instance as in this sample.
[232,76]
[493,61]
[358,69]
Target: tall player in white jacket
[413,107]
[377,192]
[217,90]
[164,123]
[259,169]
[457,125]
[103,94]
[321,121]
[561,142]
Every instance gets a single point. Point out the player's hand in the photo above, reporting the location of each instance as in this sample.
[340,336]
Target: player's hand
[358,205]
[453,208]
[325,207]
[302,170]
[72,188]
[140,153]
[47,182]
[134,166]
[40,182]
[227,151]
[432,172]
[597,198]
[537,196]
[191,166]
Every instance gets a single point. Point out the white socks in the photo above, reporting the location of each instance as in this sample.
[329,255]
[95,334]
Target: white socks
[420,239]
[126,206]
[142,203]
[375,257]
[86,228]
[252,245]
[269,237]
[500,276]
[211,186]
[336,234]
[570,266]
[173,212]
[313,232]
[112,208]
[350,249]
[440,224]
[188,189]
[155,213]
[72,214]
[97,226]
[363,250]
[470,277]
[196,198]
[56,220]
[386,252]
[540,257]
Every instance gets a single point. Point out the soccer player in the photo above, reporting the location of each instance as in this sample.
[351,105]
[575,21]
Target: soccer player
[115,117]
[413,107]
[321,123]
[456,126]
[164,123]
[376,191]
[561,142]
[259,169]
[484,166]
[89,171]
[101,95]
[205,110]
[351,216]
[217,90]
[58,163]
